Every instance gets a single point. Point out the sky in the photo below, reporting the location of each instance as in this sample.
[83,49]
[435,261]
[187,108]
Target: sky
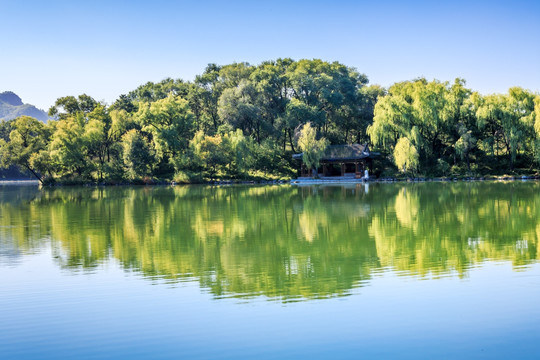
[50,49]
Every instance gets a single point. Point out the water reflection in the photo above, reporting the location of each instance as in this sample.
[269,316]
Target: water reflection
[277,241]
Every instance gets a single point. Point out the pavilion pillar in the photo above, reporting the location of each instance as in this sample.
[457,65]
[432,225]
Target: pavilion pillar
[356,167]
[342,169]
[324,170]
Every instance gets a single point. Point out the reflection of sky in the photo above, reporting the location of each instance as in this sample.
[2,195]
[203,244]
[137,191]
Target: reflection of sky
[49,313]
[9,253]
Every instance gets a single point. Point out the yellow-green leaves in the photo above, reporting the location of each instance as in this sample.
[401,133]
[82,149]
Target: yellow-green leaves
[27,137]
[406,155]
[312,148]
[170,123]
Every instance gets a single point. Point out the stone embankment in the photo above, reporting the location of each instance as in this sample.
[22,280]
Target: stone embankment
[305,181]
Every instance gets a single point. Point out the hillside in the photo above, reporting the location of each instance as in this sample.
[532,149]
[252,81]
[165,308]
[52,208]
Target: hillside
[11,107]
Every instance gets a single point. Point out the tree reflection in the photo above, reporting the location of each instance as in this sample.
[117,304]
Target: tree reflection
[278,241]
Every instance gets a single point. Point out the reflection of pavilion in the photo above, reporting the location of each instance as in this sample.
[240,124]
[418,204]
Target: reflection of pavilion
[342,160]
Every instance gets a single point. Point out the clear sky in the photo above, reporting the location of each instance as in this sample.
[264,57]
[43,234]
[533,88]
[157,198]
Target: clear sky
[50,49]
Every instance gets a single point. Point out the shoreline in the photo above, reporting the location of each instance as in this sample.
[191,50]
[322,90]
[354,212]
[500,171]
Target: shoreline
[298,181]
[413,180]
[19,182]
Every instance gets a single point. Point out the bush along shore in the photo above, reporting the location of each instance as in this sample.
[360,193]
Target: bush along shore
[242,122]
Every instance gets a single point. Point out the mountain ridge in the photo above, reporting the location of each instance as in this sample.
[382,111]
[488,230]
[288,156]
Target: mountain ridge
[12,106]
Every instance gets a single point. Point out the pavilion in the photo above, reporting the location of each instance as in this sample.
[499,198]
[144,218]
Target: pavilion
[341,160]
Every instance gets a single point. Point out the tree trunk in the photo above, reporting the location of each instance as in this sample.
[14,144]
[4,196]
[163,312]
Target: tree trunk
[291,141]
[35,174]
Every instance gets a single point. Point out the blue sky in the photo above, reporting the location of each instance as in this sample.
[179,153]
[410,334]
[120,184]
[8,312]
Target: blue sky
[50,49]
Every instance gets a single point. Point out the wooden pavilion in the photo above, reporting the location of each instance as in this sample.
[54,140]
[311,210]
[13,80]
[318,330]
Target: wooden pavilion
[341,160]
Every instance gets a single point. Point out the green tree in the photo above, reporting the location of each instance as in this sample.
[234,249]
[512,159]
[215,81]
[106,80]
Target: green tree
[99,137]
[27,137]
[312,148]
[68,148]
[70,105]
[465,144]
[124,102]
[368,98]
[137,156]
[239,149]
[509,120]
[536,120]
[428,114]
[170,124]
[406,155]
[237,107]
[297,114]
[210,86]
[272,85]
[5,129]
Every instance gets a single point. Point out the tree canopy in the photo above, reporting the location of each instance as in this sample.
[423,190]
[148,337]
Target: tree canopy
[449,124]
[242,121]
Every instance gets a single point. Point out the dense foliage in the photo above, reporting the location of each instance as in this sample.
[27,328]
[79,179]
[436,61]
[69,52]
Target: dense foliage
[437,128]
[241,121]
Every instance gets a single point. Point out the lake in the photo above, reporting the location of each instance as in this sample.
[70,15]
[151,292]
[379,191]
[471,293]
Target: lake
[386,271]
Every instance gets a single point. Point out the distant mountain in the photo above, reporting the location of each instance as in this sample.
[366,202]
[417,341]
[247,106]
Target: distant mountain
[11,107]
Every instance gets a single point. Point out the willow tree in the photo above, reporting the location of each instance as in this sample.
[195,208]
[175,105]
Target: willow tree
[509,119]
[68,148]
[536,116]
[406,155]
[465,144]
[428,114]
[312,148]
[27,137]
[169,123]
[100,137]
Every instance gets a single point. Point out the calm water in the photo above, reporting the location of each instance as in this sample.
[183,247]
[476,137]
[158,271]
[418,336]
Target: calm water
[423,271]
